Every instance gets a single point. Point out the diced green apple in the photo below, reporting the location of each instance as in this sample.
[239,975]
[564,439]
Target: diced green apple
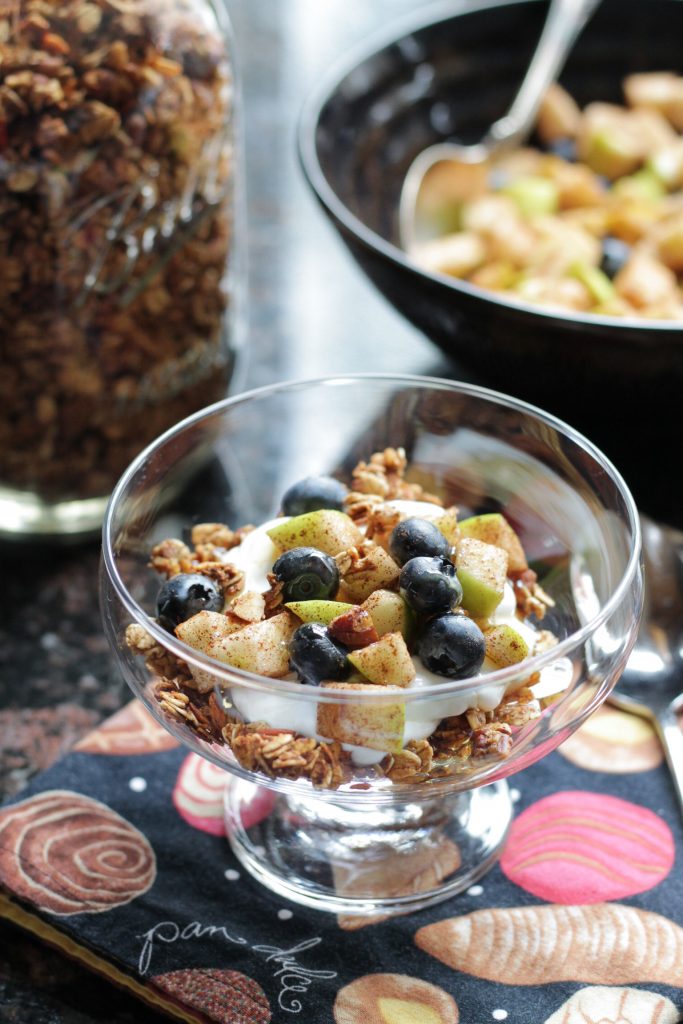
[533,195]
[505,646]
[482,571]
[390,613]
[259,647]
[493,528]
[387,662]
[203,628]
[377,572]
[318,611]
[200,632]
[448,524]
[325,529]
[378,726]
[595,280]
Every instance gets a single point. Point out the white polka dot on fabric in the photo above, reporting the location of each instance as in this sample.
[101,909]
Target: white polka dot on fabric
[514,796]
[260,851]
[500,1015]
[475,890]
[284,915]
[232,875]
[138,784]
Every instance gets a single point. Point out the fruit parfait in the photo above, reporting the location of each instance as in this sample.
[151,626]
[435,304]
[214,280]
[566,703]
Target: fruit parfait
[375,588]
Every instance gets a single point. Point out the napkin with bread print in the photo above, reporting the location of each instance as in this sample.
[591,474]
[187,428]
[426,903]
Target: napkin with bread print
[117,855]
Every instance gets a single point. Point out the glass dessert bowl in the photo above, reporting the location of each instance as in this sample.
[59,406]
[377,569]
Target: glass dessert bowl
[372,665]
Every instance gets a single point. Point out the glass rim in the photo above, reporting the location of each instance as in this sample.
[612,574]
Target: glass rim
[231,675]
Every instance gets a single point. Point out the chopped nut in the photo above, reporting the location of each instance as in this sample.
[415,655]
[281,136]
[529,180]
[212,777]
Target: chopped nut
[353,628]
[273,597]
[493,739]
[170,557]
[217,535]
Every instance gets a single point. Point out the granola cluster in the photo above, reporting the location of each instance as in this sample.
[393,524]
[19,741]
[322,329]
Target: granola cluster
[115,232]
[190,697]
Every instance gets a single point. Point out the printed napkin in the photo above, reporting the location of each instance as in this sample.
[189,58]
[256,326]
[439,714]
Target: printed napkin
[117,856]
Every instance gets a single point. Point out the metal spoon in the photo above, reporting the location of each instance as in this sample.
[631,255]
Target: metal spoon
[652,682]
[431,170]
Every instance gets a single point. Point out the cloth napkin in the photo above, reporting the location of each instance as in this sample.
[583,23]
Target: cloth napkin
[117,856]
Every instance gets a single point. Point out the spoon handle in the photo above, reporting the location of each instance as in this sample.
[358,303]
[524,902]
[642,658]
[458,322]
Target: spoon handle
[564,21]
[671,736]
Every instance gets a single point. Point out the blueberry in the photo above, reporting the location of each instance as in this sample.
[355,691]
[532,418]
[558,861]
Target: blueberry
[430,585]
[564,148]
[415,537]
[312,493]
[615,254]
[315,656]
[452,646]
[307,574]
[184,595]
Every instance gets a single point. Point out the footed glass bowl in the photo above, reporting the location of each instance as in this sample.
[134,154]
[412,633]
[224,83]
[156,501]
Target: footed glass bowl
[375,800]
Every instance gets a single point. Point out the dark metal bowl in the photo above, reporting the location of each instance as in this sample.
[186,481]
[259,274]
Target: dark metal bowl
[620,381]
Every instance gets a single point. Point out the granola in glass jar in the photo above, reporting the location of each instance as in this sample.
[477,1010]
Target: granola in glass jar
[116,233]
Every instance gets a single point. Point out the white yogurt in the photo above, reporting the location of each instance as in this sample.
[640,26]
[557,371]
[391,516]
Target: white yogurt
[255,557]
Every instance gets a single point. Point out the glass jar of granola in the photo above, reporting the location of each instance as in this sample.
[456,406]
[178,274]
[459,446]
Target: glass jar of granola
[117,242]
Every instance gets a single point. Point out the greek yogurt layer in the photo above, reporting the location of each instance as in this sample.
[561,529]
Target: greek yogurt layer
[255,557]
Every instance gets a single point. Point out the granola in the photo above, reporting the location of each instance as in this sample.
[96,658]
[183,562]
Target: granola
[115,235]
[367,619]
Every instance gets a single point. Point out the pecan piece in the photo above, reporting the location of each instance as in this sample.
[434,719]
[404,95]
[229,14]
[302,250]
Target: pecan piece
[354,628]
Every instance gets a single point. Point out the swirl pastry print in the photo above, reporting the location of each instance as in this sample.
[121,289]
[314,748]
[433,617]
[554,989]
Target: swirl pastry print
[537,945]
[615,742]
[615,1006]
[198,794]
[69,854]
[580,847]
[394,999]
[132,730]
[226,997]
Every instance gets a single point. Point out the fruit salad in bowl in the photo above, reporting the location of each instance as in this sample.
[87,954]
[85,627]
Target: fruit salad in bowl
[433,597]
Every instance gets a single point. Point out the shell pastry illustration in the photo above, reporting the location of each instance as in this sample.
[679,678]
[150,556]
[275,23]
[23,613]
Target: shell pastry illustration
[394,999]
[198,794]
[226,997]
[132,730]
[614,741]
[537,945]
[69,854]
[580,847]
[615,1006]
[407,874]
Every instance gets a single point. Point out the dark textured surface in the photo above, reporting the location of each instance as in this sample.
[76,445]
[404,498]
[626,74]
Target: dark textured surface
[312,312]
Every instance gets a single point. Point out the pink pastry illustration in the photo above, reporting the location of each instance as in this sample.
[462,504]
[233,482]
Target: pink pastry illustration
[69,854]
[580,847]
[226,997]
[615,742]
[538,945]
[198,797]
[615,1006]
[132,730]
[198,794]
[394,999]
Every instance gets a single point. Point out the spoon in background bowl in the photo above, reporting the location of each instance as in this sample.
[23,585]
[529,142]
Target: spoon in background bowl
[444,174]
[652,682]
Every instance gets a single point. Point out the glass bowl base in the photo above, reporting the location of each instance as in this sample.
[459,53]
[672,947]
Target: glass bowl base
[355,859]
